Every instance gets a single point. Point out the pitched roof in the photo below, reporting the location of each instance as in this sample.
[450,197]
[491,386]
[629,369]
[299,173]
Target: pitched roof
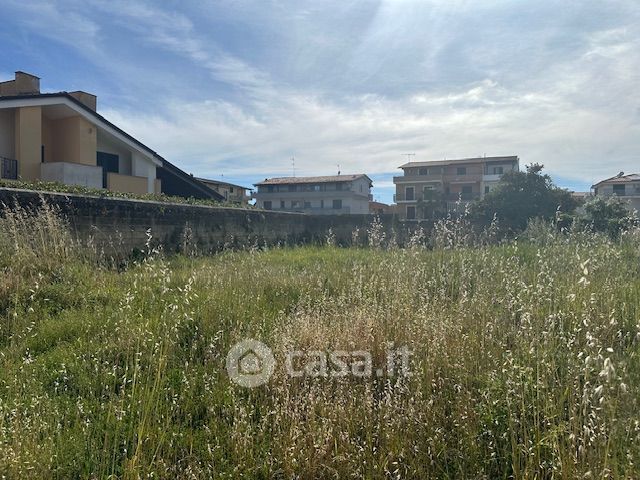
[632,177]
[326,179]
[170,167]
[220,182]
[435,163]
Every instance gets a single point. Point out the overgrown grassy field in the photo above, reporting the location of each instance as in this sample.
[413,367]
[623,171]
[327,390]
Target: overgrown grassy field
[525,360]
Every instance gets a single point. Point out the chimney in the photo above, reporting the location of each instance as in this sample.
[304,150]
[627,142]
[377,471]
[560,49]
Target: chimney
[87,99]
[23,84]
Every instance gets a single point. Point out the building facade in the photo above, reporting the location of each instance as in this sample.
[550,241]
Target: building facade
[60,137]
[231,192]
[428,188]
[627,187]
[339,194]
[379,208]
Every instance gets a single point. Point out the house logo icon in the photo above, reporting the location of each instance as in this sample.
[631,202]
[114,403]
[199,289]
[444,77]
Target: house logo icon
[250,363]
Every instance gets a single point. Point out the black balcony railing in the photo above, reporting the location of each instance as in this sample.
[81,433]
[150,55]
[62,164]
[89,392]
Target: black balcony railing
[8,168]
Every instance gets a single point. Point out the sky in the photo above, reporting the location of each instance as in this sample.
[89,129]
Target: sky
[235,89]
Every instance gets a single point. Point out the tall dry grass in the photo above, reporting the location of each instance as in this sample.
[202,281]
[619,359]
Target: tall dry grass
[525,359]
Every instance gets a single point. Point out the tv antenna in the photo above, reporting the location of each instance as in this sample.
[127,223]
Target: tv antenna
[338,169]
[408,155]
[293,165]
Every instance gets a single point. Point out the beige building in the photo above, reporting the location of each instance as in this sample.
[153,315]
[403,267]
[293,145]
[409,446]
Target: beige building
[338,194]
[627,187]
[379,208]
[232,193]
[60,137]
[426,188]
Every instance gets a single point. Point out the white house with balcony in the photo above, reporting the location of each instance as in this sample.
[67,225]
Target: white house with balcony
[329,195]
[627,187]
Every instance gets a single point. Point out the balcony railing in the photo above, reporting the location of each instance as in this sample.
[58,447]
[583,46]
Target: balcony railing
[434,178]
[445,197]
[465,197]
[314,210]
[625,193]
[8,168]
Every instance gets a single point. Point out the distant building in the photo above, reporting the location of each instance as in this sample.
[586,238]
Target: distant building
[627,187]
[231,192]
[60,137]
[427,186]
[339,194]
[379,208]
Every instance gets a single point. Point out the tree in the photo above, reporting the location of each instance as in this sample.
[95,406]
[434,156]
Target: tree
[521,196]
[607,214]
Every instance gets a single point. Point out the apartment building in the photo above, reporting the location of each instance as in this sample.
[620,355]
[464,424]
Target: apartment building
[627,187]
[231,192]
[330,195]
[428,188]
[60,137]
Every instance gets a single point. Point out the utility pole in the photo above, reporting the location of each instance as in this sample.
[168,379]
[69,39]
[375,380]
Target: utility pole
[408,155]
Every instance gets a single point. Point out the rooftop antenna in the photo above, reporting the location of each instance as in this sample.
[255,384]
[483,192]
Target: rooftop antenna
[293,165]
[338,169]
[408,155]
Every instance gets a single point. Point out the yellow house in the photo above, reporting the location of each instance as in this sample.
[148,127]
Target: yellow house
[60,137]
[231,192]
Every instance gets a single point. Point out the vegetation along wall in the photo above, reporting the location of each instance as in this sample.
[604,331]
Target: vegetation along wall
[121,226]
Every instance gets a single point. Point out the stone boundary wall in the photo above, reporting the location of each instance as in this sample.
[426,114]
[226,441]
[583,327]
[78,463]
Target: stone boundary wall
[119,226]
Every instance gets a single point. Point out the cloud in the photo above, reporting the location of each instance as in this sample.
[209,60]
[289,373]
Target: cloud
[62,25]
[241,87]
[368,133]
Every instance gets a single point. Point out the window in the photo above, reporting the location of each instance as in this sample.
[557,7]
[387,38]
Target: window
[486,189]
[423,171]
[110,163]
[408,193]
[307,204]
[411,213]
[271,189]
[467,189]
[267,204]
[282,204]
[462,171]
[337,204]
[618,189]
[322,203]
[316,188]
[295,204]
[338,186]
[498,170]
[231,189]
[292,188]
